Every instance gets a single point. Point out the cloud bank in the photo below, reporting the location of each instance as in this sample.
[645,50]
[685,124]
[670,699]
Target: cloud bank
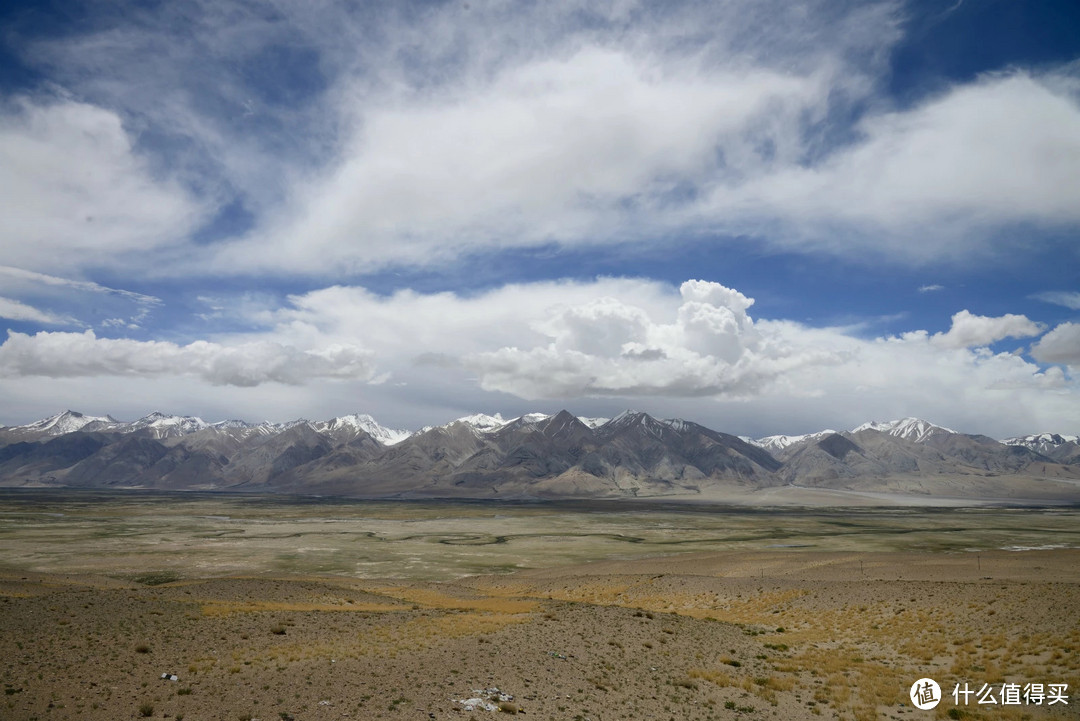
[73,355]
[598,346]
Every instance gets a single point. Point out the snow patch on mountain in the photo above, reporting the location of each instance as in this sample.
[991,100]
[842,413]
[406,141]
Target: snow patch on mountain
[61,423]
[626,418]
[532,417]
[648,424]
[677,424]
[356,423]
[160,425]
[911,429]
[482,422]
[780,442]
[593,422]
[1041,441]
[244,430]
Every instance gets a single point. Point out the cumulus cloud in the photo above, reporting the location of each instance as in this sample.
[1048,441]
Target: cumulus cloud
[596,347]
[73,191]
[68,355]
[970,330]
[1061,345]
[707,346]
[693,350]
[971,389]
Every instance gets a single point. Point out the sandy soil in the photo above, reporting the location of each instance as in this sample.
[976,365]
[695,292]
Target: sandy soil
[762,634]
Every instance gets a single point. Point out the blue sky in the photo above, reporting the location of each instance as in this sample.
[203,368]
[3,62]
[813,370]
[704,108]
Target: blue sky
[766,217]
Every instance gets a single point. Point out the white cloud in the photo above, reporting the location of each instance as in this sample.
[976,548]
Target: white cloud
[1061,345]
[553,150]
[79,303]
[693,351]
[595,347]
[16,310]
[971,389]
[611,145]
[1003,149]
[970,330]
[74,192]
[707,345]
[1068,299]
[31,278]
[68,355]
[417,138]
[932,288]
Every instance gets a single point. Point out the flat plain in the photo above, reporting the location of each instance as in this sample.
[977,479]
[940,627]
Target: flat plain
[275,608]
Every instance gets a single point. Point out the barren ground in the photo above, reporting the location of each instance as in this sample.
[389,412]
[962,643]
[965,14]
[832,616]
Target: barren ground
[785,633]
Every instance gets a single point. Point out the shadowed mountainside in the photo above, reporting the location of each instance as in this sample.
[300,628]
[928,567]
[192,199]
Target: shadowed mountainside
[535,456]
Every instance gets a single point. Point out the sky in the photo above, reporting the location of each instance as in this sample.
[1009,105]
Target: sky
[765,217]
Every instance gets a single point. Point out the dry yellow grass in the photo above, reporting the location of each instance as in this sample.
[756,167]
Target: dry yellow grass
[225,608]
[629,645]
[429,598]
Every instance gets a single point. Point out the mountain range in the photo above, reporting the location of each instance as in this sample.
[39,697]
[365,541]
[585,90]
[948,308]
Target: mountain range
[537,456]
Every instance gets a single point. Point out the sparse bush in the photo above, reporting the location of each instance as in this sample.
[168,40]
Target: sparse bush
[278,630]
[146,710]
[156,578]
[142,648]
[508,707]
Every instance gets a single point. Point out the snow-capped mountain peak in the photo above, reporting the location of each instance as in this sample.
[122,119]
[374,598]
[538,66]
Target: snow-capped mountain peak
[627,417]
[482,422]
[61,423]
[160,425]
[912,429]
[357,422]
[532,417]
[650,425]
[232,424]
[1041,441]
[593,422]
[780,442]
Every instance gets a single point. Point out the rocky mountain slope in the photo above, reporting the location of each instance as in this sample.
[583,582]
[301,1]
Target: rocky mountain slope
[533,456]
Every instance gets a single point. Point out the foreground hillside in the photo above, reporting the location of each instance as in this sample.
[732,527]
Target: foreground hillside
[778,634]
[536,456]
